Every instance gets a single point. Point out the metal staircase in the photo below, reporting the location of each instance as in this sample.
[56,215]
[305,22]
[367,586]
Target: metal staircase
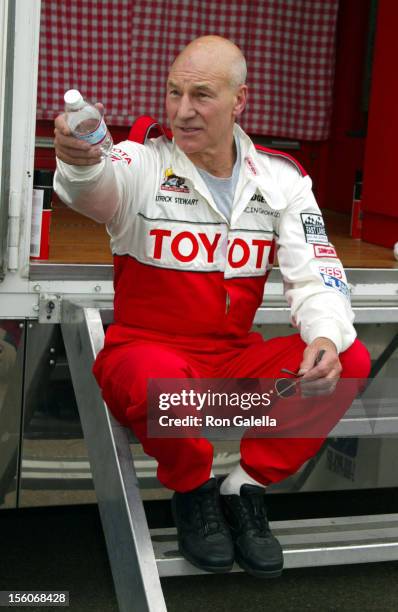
[139,556]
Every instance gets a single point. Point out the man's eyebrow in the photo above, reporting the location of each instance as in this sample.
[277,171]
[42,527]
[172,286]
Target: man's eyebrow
[202,86]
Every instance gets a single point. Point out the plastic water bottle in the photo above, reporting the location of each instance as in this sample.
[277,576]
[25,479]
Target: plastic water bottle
[86,121]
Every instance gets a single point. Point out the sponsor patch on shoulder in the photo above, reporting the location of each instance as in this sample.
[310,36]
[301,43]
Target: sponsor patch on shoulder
[321,250]
[117,155]
[314,228]
[336,283]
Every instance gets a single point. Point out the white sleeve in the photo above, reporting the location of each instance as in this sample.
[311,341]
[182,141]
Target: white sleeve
[106,191]
[90,190]
[315,283]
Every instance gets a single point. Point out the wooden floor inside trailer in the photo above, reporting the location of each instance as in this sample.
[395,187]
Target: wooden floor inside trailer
[77,239]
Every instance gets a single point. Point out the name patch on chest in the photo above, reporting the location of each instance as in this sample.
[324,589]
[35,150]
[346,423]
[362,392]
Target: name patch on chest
[176,200]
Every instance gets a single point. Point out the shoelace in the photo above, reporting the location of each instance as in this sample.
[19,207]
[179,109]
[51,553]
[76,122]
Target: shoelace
[208,515]
[253,516]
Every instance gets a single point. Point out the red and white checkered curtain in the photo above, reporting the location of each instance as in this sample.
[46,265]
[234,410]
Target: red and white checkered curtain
[119,52]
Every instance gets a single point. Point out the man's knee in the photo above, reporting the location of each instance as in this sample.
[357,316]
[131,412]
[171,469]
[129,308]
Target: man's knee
[152,362]
[356,361]
[123,373]
[156,361]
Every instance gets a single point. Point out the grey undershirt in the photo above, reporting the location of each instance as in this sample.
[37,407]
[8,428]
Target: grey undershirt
[223,189]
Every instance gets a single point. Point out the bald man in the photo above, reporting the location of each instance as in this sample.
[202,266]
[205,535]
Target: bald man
[194,224]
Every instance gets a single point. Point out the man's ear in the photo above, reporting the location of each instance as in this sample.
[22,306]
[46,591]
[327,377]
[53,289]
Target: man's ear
[240,100]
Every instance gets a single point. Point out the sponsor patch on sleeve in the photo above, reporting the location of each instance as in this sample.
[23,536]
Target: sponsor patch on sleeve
[336,271]
[314,229]
[118,155]
[336,283]
[321,250]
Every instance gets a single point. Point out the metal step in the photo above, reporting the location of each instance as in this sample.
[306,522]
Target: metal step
[306,543]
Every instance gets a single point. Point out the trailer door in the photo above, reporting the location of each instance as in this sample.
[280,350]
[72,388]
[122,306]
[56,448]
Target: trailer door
[7,28]
[19,44]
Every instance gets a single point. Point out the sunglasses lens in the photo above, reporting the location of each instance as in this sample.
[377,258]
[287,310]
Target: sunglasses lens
[285,387]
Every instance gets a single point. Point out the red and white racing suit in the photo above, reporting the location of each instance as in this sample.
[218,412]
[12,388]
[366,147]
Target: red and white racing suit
[188,283]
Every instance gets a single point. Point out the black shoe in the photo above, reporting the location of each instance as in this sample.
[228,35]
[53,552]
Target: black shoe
[203,535]
[257,551]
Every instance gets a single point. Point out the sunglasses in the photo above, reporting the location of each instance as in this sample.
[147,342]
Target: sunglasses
[286,387]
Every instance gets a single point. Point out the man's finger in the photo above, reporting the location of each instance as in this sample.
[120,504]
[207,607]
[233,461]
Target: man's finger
[69,141]
[74,151]
[308,361]
[318,392]
[71,149]
[61,125]
[315,389]
[328,367]
[319,384]
[71,155]
[79,161]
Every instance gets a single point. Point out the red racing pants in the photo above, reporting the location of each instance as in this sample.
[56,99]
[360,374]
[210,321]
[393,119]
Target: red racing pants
[130,357]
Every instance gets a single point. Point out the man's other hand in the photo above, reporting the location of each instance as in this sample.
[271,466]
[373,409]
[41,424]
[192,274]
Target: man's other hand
[319,378]
[71,150]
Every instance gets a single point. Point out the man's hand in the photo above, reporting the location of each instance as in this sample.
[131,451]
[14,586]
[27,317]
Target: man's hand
[320,379]
[72,150]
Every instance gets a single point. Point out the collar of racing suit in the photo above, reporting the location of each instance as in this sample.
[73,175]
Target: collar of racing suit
[255,174]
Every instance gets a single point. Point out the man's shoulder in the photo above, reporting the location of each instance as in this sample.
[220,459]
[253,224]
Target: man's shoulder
[280,161]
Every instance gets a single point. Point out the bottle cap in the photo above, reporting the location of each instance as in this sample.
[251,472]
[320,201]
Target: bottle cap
[73,99]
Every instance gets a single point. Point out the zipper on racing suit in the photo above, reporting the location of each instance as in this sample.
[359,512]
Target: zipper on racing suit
[227,303]
[227,298]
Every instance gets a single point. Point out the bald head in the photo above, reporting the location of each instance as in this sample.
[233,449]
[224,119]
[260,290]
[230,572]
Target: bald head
[216,54]
[206,93]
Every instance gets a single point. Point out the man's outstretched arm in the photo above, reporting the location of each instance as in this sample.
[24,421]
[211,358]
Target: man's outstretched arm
[83,180]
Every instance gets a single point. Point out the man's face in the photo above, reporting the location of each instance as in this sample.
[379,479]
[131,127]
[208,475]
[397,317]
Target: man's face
[201,106]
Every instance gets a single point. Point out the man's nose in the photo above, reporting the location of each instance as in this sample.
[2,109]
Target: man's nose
[185,108]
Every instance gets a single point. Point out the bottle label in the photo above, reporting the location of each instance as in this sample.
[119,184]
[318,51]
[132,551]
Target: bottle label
[95,137]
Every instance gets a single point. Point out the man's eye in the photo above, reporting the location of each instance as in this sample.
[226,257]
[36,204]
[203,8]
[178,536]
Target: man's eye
[173,92]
